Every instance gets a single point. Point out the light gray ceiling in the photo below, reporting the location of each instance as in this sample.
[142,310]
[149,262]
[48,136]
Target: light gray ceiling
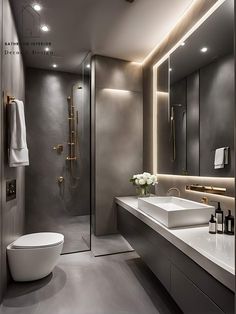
[114,28]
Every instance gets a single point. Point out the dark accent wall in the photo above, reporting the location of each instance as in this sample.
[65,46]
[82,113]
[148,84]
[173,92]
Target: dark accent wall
[117,133]
[193,133]
[164,142]
[179,104]
[50,206]
[217,115]
[12,76]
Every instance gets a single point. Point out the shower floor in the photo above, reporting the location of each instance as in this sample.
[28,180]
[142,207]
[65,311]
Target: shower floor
[75,230]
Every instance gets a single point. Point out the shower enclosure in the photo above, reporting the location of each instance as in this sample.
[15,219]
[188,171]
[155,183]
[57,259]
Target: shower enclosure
[58,178]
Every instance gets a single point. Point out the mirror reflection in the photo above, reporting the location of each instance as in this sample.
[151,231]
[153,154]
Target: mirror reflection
[200,115]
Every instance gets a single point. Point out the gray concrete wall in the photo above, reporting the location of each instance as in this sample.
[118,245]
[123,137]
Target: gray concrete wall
[117,136]
[49,206]
[12,212]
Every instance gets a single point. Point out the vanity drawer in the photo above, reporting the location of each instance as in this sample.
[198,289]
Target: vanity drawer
[189,297]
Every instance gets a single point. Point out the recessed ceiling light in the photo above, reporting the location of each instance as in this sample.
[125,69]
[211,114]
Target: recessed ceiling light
[44,28]
[37,7]
[182,44]
[170,69]
[88,66]
[204,49]
[54,65]
[46,48]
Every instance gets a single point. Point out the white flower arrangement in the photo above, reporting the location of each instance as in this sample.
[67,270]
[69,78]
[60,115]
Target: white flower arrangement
[143,182]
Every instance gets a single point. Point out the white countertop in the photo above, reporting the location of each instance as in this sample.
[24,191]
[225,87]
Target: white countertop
[213,252]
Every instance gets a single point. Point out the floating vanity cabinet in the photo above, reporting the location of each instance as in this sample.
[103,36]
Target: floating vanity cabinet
[147,243]
[189,297]
[192,288]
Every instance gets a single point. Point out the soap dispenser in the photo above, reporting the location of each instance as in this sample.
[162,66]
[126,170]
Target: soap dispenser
[219,219]
[229,224]
[212,225]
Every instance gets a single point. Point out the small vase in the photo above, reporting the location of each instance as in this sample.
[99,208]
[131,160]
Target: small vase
[143,191]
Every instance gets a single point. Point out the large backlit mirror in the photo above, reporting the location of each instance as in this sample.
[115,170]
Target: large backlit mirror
[195,101]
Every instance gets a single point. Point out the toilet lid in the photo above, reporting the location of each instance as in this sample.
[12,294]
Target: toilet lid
[36,240]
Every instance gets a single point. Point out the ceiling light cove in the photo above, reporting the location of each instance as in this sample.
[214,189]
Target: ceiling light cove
[37,7]
[204,49]
[44,28]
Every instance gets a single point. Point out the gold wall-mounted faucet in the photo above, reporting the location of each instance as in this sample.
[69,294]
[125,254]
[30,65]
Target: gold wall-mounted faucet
[60,180]
[58,148]
[205,200]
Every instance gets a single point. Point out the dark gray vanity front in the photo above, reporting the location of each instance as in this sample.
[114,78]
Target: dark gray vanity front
[193,288]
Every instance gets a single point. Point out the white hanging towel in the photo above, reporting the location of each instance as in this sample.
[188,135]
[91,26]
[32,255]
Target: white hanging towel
[221,157]
[18,151]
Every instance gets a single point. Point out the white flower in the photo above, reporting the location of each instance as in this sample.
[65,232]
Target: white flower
[142,181]
[146,175]
[154,178]
[145,178]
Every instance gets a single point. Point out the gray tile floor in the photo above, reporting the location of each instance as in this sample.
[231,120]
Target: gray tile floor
[84,284]
[75,229]
[109,244]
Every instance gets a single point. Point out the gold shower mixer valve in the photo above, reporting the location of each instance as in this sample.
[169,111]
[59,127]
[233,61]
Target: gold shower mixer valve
[60,180]
[58,148]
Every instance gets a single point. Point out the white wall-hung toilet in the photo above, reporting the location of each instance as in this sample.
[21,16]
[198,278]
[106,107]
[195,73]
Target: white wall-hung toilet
[33,256]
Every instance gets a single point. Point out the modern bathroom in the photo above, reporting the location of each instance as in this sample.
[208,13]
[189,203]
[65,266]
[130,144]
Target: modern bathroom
[117,161]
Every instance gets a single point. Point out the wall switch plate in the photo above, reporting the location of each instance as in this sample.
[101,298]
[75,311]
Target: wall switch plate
[10,190]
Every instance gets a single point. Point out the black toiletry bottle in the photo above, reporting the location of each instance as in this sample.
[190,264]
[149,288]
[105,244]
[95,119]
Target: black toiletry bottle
[229,224]
[219,219]
[212,225]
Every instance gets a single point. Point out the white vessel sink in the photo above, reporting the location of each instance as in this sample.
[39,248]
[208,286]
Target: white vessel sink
[176,212]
